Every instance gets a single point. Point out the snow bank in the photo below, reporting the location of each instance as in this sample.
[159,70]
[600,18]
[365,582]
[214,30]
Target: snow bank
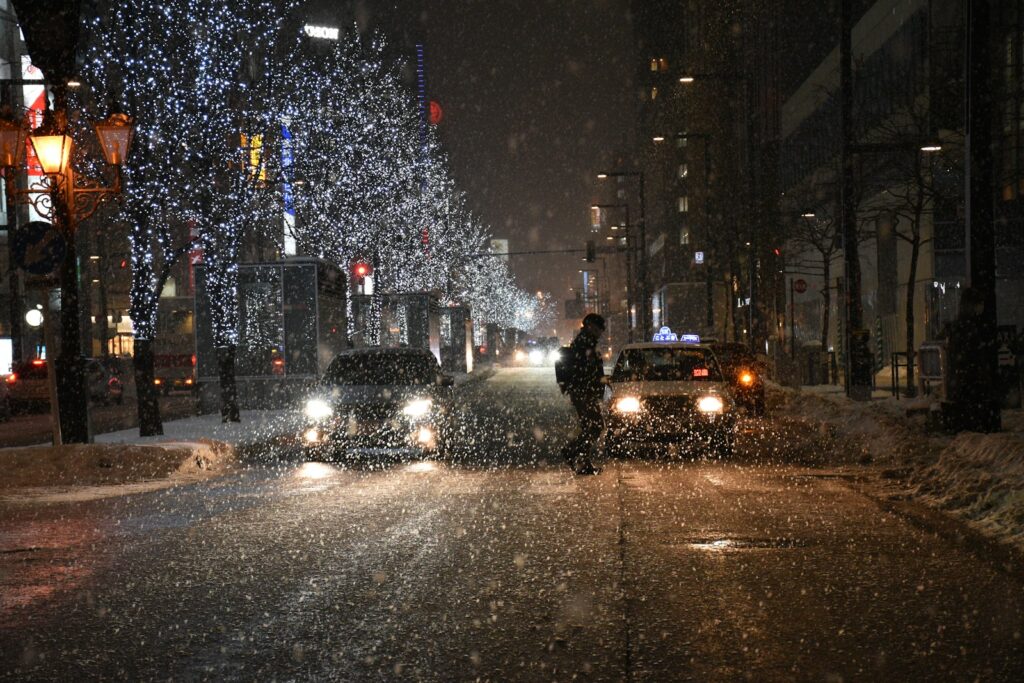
[977,477]
[106,464]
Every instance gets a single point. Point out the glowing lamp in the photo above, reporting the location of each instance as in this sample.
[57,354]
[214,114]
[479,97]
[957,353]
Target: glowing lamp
[115,136]
[52,151]
[12,142]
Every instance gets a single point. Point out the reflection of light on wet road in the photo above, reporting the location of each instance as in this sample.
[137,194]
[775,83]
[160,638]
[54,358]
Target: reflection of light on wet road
[712,546]
[39,559]
[314,470]
[425,466]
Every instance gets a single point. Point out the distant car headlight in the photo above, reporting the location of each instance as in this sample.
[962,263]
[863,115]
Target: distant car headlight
[554,356]
[417,407]
[318,409]
[520,356]
[746,378]
[536,357]
[628,404]
[710,404]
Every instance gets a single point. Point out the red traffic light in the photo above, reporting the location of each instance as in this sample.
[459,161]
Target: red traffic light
[361,269]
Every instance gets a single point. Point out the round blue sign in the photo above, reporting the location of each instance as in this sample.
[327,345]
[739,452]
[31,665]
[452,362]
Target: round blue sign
[37,248]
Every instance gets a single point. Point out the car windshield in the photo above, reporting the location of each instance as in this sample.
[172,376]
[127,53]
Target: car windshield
[382,368]
[666,365]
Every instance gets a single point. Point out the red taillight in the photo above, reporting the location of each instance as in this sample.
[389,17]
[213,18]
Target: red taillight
[193,360]
[38,362]
[12,378]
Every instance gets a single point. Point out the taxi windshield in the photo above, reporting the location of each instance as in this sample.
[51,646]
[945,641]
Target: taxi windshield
[667,364]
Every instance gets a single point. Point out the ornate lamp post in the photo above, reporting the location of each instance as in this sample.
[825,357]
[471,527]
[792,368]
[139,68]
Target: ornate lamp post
[66,198]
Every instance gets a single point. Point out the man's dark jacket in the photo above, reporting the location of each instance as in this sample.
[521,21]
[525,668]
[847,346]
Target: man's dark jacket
[587,368]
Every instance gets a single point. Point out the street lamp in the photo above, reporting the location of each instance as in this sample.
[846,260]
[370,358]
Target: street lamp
[688,79]
[709,280]
[629,262]
[645,302]
[66,199]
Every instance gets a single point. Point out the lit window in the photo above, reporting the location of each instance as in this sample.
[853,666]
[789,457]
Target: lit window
[681,142]
[654,94]
[683,170]
[662,64]
[684,236]
[654,64]
[684,204]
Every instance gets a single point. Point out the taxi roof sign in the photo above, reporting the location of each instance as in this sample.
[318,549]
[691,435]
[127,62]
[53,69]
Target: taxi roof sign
[665,334]
[690,339]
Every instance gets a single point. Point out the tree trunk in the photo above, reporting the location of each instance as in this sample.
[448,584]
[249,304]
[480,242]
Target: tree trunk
[915,250]
[827,294]
[147,397]
[228,388]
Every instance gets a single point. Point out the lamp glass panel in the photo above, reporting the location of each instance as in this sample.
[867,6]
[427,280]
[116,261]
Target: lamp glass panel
[115,141]
[12,141]
[52,151]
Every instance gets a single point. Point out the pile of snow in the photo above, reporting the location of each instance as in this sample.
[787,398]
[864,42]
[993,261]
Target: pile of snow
[106,464]
[977,477]
[980,477]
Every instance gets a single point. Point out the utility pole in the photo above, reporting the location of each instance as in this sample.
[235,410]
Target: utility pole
[980,226]
[858,355]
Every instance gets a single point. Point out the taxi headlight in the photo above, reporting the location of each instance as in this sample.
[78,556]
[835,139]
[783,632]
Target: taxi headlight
[710,404]
[318,409]
[628,404]
[417,407]
[536,357]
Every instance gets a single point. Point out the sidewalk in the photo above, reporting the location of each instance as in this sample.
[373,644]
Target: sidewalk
[978,477]
[117,463]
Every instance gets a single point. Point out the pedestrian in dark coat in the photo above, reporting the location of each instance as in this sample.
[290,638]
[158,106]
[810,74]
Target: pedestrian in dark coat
[585,389]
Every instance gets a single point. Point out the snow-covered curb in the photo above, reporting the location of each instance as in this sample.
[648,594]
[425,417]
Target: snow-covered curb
[52,468]
[977,477]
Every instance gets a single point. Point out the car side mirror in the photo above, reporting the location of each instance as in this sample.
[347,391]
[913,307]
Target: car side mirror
[446,381]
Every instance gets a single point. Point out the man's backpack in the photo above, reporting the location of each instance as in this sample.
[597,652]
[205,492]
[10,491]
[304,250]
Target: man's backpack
[564,368]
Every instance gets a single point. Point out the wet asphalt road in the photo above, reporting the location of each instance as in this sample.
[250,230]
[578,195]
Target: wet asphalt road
[500,565]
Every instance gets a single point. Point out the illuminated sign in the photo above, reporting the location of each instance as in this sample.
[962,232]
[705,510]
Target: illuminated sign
[700,372]
[665,334]
[690,339]
[322,32]
[698,257]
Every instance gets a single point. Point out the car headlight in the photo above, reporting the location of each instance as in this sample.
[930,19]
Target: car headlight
[628,404]
[554,356]
[536,357]
[710,404]
[417,407]
[318,409]
[520,356]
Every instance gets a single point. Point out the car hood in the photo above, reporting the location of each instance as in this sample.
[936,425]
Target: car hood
[362,394]
[642,389]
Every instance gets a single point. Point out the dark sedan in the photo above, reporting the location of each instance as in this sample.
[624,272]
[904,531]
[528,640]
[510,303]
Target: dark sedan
[380,403]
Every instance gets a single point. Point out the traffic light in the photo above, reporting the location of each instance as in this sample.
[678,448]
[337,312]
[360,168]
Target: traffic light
[360,271]
[591,252]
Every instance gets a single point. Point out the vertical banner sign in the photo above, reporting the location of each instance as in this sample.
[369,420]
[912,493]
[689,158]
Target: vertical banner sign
[421,95]
[287,172]
[34,96]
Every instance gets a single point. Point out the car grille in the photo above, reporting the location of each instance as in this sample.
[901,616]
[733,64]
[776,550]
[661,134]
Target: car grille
[668,407]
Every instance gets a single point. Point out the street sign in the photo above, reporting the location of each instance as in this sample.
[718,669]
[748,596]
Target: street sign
[698,257]
[800,286]
[38,248]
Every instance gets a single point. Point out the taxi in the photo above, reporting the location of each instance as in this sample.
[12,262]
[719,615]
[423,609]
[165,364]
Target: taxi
[670,390]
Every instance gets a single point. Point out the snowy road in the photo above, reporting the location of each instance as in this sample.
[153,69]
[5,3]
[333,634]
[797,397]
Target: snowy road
[500,566]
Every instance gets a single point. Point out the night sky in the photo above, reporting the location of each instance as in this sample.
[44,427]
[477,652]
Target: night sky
[537,97]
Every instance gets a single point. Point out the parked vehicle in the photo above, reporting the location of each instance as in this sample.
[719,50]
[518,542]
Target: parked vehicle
[28,385]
